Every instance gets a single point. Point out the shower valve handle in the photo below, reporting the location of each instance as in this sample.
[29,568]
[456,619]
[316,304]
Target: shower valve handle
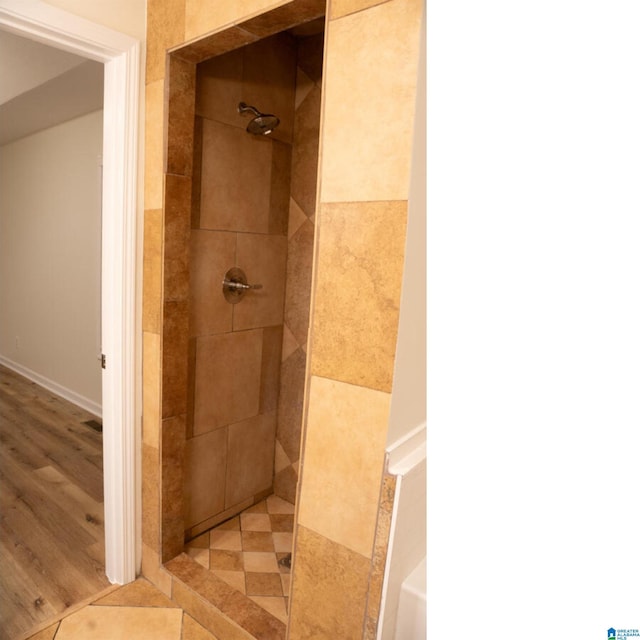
[235,285]
[230,284]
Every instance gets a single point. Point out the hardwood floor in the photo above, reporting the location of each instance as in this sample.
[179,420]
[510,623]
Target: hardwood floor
[51,506]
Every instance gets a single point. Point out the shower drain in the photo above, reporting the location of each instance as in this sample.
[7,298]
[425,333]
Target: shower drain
[285,561]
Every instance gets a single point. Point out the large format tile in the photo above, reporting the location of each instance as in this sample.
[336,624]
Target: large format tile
[250,457]
[165,28]
[369,103]
[180,114]
[154,145]
[151,390]
[152,270]
[268,80]
[264,260]
[212,255]
[204,17]
[107,623]
[343,462]
[360,261]
[329,591]
[206,459]
[227,379]
[219,88]
[340,8]
[236,179]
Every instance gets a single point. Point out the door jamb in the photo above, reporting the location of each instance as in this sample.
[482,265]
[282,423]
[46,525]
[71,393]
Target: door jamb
[120,54]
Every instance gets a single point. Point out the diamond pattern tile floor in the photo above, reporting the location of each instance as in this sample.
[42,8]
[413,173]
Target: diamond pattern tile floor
[250,553]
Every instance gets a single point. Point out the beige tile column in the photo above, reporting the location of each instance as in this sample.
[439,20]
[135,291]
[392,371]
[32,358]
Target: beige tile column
[368,117]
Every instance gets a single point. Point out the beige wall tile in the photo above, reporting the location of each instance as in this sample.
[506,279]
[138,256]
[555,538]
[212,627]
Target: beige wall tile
[369,103]
[154,145]
[151,389]
[152,269]
[343,457]
[236,175]
[151,497]
[329,574]
[165,28]
[212,254]
[264,260]
[153,571]
[357,296]
[250,457]
[340,8]
[181,112]
[227,368]
[205,462]
[203,17]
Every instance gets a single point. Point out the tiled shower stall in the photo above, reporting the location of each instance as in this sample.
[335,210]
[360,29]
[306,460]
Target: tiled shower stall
[287,392]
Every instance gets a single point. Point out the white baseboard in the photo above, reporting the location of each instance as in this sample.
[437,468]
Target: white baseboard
[54,387]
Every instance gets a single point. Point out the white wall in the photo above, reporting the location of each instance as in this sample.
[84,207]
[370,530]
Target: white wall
[126,16]
[50,255]
[408,400]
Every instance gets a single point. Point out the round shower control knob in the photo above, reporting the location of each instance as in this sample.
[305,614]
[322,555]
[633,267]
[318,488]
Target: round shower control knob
[234,285]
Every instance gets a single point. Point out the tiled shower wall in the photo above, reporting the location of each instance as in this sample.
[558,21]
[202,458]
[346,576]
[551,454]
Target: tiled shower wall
[240,207]
[369,88]
[302,208]
[252,207]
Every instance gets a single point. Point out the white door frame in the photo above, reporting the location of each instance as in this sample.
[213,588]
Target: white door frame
[121,57]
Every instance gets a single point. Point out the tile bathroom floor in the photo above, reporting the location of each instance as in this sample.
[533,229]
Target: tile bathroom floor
[250,553]
[137,611]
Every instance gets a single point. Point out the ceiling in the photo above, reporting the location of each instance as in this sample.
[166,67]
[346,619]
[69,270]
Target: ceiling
[41,86]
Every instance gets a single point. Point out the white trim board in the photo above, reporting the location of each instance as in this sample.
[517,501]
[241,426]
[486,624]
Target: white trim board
[54,387]
[121,57]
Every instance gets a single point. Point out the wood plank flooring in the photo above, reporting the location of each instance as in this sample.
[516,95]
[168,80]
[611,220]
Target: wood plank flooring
[51,506]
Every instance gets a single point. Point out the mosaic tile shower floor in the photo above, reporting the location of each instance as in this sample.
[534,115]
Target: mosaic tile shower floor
[250,553]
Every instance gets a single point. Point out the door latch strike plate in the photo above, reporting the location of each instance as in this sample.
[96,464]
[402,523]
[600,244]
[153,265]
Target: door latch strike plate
[103,361]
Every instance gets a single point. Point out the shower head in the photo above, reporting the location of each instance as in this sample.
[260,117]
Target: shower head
[263,123]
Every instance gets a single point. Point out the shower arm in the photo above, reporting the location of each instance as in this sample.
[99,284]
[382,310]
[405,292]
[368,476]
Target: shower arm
[243,107]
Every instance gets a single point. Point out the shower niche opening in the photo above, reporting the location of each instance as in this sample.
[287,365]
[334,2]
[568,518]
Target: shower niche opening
[242,124]
[253,199]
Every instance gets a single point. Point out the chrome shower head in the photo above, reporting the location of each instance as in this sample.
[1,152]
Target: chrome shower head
[263,123]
